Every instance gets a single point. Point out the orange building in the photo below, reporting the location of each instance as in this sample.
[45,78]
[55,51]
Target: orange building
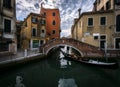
[52,22]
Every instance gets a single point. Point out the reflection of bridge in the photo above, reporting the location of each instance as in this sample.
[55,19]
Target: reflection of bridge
[83,48]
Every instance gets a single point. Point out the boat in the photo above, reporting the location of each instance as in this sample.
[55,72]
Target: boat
[90,61]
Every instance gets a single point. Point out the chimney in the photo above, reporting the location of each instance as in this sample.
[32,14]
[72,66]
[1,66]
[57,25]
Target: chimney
[41,5]
[79,11]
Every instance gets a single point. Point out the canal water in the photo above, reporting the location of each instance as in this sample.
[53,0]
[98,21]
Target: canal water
[58,72]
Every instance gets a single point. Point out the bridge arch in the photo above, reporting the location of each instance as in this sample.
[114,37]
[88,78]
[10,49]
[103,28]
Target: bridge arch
[57,45]
[84,49]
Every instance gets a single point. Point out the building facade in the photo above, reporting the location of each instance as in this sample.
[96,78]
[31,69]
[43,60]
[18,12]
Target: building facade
[100,26]
[52,22]
[117,24]
[18,33]
[94,28]
[33,32]
[102,5]
[8,42]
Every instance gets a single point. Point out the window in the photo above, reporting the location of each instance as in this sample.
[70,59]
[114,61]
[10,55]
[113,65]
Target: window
[44,13]
[102,41]
[108,5]
[117,43]
[102,37]
[7,25]
[118,23]
[53,31]
[43,31]
[35,44]
[90,21]
[53,22]
[43,22]
[117,2]
[41,42]
[34,20]
[53,14]
[95,37]
[102,44]
[34,32]
[102,20]
[7,4]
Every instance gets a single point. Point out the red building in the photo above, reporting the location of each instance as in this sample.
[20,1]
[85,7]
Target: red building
[52,22]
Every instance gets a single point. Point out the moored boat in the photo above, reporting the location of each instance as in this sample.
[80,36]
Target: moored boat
[90,61]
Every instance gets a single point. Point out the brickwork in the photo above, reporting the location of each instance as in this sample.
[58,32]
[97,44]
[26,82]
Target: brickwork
[85,49]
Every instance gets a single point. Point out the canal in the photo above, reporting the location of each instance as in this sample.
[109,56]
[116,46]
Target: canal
[56,72]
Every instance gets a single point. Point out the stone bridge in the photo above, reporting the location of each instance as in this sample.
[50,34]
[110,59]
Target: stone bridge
[84,49]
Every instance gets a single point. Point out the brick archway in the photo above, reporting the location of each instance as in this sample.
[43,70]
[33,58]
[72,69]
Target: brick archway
[84,49]
[64,45]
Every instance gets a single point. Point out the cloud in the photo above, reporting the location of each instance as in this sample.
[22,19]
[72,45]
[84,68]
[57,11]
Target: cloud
[66,33]
[68,10]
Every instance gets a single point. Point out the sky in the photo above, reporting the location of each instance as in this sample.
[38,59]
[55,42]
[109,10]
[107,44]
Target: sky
[68,10]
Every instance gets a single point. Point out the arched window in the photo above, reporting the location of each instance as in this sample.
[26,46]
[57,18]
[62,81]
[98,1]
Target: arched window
[118,23]
[53,13]
[34,32]
[53,22]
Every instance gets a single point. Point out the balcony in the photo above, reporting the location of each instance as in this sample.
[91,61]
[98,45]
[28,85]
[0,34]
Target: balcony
[9,34]
[43,22]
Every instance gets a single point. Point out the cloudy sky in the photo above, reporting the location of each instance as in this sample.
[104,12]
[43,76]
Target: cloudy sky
[68,10]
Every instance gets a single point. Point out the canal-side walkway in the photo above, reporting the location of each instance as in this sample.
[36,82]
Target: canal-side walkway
[18,56]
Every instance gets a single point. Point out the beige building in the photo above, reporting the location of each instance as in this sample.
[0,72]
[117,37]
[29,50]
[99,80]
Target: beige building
[102,25]
[33,32]
[101,5]
[94,28]
[8,26]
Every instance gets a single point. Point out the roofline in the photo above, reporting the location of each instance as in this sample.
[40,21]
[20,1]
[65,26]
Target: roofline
[34,14]
[95,12]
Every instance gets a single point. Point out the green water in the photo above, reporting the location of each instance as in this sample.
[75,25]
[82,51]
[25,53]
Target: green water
[50,73]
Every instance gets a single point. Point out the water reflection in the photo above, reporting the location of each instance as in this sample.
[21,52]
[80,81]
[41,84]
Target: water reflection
[50,73]
[67,83]
[63,62]
[19,83]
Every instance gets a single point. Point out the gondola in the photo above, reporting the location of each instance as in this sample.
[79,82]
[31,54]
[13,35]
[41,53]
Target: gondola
[90,61]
